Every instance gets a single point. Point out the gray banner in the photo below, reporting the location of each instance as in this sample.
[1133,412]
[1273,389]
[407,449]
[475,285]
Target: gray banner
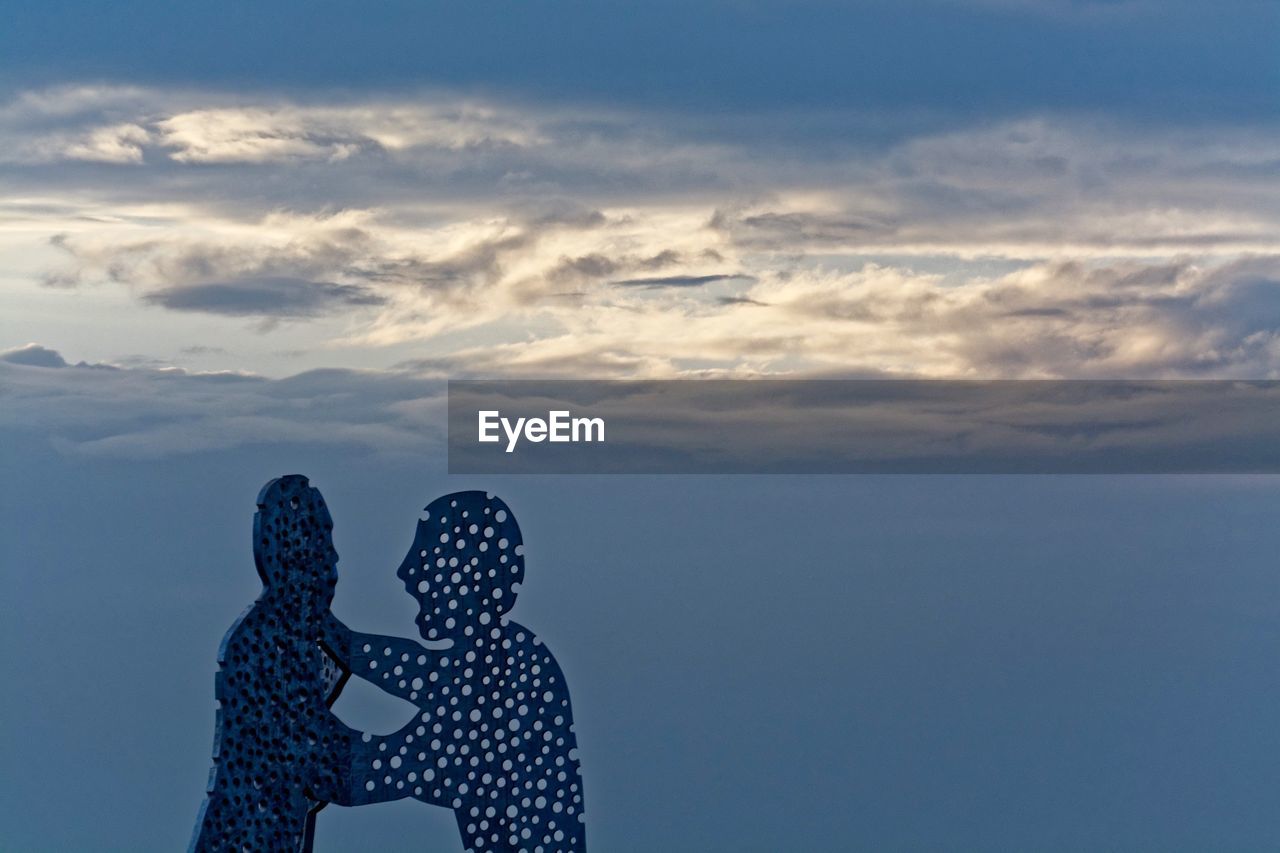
[863,427]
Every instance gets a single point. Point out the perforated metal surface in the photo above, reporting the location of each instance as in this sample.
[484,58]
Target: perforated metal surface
[493,739]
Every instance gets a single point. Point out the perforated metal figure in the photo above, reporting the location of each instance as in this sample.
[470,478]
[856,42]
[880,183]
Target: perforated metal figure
[279,754]
[494,738]
[494,741]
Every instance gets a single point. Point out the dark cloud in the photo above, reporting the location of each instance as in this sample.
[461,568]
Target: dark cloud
[1038,312]
[597,265]
[787,231]
[597,361]
[682,280]
[477,264]
[172,262]
[273,297]
[33,355]
[138,360]
[590,266]
[565,214]
[143,412]
[665,258]
[290,281]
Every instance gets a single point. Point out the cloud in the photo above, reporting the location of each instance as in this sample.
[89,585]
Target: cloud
[120,143]
[75,123]
[145,412]
[415,282]
[236,275]
[1022,187]
[797,229]
[33,355]
[276,297]
[287,132]
[680,280]
[519,237]
[1058,319]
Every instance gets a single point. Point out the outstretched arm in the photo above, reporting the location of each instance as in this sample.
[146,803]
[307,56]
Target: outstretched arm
[399,666]
[370,769]
[336,638]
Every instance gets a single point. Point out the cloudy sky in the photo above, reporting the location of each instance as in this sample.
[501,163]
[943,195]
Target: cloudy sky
[238,240]
[973,188]
[1002,188]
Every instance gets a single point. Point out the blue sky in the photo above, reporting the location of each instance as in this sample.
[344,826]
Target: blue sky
[239,240]
[1176,59]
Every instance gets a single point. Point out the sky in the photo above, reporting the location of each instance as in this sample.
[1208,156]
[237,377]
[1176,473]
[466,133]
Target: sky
[239,240]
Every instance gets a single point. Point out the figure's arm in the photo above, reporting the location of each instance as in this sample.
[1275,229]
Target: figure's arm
[336,638]
[399,666]
[334,642]
[371,768]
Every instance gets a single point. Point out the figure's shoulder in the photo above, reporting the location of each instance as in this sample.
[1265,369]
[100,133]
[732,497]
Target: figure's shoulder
[541,663]
[256,625]
[518,636]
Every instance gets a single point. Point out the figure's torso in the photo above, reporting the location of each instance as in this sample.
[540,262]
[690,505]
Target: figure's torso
[494,741]
[274,733]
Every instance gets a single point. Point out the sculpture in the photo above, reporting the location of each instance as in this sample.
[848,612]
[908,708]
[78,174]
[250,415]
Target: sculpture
[493,739]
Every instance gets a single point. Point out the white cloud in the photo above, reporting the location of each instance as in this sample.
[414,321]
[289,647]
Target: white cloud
[508,238]
[1049,320]
[76,123]
[256,134]
[121,143]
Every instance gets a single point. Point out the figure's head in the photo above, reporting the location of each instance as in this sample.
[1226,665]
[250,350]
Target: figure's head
[465,566]
[293,539]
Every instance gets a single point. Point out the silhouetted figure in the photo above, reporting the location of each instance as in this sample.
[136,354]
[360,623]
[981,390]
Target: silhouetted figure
[279,754]
[494,738]
[494,741]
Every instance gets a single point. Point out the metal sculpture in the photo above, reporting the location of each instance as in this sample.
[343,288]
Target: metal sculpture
[493,739]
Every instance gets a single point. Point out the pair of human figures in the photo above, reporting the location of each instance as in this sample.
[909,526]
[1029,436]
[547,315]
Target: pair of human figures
[493,739]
